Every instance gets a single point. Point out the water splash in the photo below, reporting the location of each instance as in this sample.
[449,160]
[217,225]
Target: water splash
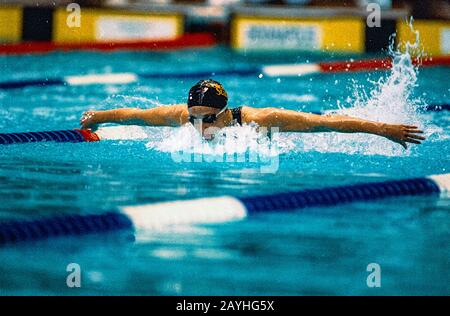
[245,143]
[389,100]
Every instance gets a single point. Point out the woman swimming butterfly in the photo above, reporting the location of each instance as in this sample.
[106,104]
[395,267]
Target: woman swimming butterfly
[208,111]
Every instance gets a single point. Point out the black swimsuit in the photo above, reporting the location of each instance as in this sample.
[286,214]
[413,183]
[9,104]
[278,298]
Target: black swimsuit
[237,118]
[237,115]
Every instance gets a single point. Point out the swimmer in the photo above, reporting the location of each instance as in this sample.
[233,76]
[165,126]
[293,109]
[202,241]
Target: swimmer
[207,110]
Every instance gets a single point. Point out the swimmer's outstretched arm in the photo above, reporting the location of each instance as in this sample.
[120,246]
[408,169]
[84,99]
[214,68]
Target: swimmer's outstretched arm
[172,115]
[293,121]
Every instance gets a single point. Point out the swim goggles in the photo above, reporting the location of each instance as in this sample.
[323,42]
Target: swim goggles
[208,119]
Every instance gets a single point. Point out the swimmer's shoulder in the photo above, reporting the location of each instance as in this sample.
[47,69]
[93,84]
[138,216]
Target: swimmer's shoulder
[250,114]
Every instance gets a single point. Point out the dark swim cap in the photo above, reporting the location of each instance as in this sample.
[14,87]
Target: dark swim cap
[208,93]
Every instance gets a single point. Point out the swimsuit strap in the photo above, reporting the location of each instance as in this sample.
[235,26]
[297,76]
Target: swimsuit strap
[237,116]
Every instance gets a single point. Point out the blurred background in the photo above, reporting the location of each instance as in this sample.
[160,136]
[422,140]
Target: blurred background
[46,20]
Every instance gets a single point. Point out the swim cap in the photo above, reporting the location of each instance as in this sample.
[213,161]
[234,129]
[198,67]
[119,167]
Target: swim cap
[208,93]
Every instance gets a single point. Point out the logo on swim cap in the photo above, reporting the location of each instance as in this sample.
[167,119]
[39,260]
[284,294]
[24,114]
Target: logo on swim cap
[208,93]
[219,89]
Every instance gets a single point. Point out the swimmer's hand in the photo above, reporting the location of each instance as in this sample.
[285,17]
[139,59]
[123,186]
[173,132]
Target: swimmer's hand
[402,134]
[88,120]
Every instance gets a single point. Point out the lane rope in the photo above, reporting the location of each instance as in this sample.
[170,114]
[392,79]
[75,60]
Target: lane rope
[63,136]
[288,70]
[222,209]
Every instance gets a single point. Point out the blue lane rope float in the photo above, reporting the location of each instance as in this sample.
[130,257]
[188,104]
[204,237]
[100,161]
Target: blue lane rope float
[64,225]
[339,195]
[214,210]
[64,136]
[31,83]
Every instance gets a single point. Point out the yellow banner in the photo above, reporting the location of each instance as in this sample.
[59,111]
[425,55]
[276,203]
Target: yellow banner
[10,24]
[98,25]
[298,34]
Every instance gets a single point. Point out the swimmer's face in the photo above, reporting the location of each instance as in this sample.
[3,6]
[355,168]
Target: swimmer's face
[201,118]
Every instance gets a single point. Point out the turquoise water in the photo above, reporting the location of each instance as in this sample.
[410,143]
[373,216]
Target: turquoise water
[323,251]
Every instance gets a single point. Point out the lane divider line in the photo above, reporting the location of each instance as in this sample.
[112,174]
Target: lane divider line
[299,70]
[288,70]
[63,136]
[223,209]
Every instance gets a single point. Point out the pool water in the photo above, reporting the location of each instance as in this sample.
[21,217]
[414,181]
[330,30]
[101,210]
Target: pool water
[321,251]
